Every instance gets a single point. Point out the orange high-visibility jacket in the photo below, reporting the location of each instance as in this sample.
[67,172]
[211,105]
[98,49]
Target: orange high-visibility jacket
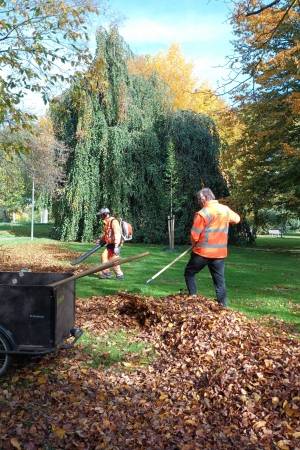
[112,231]
[209,233]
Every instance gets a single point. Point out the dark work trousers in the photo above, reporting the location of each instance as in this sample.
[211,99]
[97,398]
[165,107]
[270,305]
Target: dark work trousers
[216,268]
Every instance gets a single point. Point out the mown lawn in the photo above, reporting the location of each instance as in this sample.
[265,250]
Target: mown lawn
[10,231]
[262,280]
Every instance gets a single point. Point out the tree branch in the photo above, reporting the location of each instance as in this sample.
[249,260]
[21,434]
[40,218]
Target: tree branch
[258,11]
[279,23]
[30,21]
[262,49]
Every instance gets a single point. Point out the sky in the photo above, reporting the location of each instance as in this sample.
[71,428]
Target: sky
[200,27]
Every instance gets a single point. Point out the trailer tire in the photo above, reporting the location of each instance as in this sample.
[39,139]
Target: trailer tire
[5,359]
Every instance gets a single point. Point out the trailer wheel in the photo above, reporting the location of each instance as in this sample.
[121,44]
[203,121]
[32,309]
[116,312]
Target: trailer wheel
[5,359]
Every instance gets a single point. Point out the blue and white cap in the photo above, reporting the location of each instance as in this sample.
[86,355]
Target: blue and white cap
[103,211]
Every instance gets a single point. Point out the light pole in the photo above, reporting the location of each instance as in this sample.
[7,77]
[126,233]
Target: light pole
[32,208]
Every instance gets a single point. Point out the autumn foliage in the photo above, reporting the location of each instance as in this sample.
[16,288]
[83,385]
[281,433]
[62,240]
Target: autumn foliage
[267,55]
[185,90]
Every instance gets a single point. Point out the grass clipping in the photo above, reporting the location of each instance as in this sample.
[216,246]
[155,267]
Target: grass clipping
[217,381]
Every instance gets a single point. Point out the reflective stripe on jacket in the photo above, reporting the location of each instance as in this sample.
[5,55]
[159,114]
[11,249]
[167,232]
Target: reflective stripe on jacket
[209,234]
[112,231]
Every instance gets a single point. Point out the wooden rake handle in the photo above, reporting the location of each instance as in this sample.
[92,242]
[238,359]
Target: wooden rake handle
[116,262]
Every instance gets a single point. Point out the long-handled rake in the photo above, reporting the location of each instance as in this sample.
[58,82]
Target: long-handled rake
[169,265]
[115,262]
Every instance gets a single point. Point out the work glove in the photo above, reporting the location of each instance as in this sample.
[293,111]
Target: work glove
[117,250]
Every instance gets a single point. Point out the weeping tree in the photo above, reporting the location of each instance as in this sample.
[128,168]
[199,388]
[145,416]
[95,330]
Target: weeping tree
[109,119]
[196,148]
[118,127]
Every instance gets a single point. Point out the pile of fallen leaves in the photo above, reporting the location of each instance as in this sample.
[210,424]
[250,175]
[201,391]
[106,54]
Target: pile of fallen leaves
[218,381]
[37,258]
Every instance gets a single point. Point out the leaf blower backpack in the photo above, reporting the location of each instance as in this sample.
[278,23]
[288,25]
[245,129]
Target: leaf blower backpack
[126,230]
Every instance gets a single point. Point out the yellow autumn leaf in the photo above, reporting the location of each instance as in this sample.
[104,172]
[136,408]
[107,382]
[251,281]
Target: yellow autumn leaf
[127,364]
[290,411]
[163,397]
[289,428]
[283,445]
[15,443]
[294,412]
[101,395]
[191,422]
[259,424]
[106,423]
[42,379]
[59,432]
[268,363]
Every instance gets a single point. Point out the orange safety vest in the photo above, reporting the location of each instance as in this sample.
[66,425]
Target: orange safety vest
[209,233]
[108,232]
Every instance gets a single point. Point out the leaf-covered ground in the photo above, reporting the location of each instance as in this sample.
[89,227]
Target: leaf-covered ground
[218,381]
[38,258]
[212,380]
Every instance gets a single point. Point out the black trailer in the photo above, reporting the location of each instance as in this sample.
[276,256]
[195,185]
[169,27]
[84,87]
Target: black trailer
[37,310]
[35,317]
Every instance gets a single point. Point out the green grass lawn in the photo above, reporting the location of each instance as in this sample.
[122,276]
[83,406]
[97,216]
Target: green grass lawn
[262,280]
[10,231]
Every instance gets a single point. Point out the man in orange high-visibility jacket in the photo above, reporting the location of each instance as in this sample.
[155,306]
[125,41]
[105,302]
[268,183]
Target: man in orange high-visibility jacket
[112,237]
[209,236]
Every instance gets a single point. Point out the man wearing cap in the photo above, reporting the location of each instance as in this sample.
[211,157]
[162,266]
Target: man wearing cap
[112,238]
[209,236]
